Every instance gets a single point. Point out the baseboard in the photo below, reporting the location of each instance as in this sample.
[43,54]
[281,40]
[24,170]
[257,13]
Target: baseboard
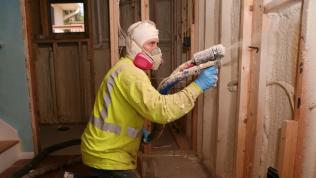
[26,155]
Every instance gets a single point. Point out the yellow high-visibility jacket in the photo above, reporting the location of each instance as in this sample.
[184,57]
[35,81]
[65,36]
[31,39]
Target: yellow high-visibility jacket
[125,98]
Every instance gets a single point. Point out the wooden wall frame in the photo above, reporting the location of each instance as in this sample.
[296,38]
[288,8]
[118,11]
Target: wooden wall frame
[114,16]
[303,86]
[243,89]
[30,42]
[144,5]
[257,95]
[30,72]
[251,98]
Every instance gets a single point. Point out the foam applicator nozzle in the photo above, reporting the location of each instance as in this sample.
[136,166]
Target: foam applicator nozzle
[211,54]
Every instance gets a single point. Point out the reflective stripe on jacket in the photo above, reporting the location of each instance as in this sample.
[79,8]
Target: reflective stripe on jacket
[112,136]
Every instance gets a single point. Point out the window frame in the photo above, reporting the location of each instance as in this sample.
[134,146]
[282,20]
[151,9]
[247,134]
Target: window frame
[68,35]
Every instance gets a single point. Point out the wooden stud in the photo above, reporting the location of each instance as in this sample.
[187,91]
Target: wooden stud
[287,149]
[189,14]
[195,109]
[185,121]
[173,36]
[81,82]
[180,139]
[305,87]
[114,10]
[224,108]
[53,79]
[144,9]
[25,11]
[183,29]
[276,5]
[90,53]
[44,17]
[256,101]
[178,41]
[243,90]
[199,44]
[145,16]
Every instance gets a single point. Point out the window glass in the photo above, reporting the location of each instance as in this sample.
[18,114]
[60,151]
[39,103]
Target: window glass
[67,17]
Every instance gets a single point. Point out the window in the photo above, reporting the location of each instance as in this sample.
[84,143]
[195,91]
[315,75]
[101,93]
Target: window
[68,16]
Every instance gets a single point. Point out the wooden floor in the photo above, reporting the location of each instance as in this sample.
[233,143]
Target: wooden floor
[179,163]
[77,168]
[47,132]
[172,164]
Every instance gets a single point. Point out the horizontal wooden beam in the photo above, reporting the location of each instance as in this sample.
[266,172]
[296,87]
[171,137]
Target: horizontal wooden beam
[276,5]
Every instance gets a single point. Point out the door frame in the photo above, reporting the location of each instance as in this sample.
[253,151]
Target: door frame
[30,72]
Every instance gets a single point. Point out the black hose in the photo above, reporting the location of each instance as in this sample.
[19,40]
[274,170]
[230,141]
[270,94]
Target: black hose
[42,155]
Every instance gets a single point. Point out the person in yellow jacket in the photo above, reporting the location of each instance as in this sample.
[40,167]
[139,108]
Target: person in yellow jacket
[126,98]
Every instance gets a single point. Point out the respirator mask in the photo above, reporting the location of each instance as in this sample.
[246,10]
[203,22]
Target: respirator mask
[138,34]
[148,60]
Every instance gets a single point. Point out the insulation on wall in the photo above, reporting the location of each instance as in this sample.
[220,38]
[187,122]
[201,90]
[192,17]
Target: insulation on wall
[280,37]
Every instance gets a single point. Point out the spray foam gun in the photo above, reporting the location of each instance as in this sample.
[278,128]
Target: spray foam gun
[201,60]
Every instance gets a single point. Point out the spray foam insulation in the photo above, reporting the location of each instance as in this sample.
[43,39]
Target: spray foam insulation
[280,48]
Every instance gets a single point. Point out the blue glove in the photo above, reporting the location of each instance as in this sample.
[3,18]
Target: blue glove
[207,78]
[146,136]
[166,90]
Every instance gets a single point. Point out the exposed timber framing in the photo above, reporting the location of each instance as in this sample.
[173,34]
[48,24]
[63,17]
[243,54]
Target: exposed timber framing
[199,44]
[145,9]
[287,148]
[31,50]
[276,5]
[243,89]
[305,87]
[145,16]
[90,52]
[44,17]
[25,11]
[194,121]
[180,139]
[224,26]
[114,42]
[257,97]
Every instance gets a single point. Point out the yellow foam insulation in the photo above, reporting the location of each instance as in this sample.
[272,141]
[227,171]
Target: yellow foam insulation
[280,48]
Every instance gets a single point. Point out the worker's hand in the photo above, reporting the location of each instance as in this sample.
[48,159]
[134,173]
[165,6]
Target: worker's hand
[207,78]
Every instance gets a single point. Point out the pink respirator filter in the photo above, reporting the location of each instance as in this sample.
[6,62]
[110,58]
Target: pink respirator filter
[143,61]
